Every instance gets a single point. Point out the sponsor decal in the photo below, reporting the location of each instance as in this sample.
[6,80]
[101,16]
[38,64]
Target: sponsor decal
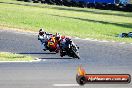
[82,78]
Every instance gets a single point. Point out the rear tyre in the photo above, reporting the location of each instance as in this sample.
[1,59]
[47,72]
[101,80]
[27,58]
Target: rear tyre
[76,55]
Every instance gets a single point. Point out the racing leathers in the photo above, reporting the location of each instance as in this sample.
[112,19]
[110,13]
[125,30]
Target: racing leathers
[53,44]
[44,39]
[65,42]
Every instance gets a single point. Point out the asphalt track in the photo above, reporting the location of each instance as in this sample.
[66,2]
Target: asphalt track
[56,72]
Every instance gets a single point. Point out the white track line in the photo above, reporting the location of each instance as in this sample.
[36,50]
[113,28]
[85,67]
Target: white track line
[103,41]
[35,33]
[113,41]
[77,38]
[36,60]
[14,61]
[122,43]
[64,85]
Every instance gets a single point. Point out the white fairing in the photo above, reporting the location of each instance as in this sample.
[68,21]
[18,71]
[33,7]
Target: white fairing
[75,46]
[73,43]
[43,37]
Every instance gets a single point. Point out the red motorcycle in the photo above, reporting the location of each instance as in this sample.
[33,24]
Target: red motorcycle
[52,45]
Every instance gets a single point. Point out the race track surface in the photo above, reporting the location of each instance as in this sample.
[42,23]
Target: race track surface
[53,71]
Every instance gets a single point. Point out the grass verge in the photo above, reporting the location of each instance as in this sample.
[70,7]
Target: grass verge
[4,56]
[71,21]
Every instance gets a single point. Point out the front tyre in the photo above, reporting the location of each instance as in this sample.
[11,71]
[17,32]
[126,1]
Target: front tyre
[75,52]
[61,53]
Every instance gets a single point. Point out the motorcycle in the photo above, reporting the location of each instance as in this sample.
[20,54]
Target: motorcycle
[71,50]
[51,45]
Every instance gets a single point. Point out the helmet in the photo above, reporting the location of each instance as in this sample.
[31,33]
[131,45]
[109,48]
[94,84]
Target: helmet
[62,37]
[41,31]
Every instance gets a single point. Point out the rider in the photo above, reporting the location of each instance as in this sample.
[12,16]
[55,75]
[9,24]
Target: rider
[57,40]
[53,43]
[67,47]
[64,42]
[43,37]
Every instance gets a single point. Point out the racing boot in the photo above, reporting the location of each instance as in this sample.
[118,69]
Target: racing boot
[44,48]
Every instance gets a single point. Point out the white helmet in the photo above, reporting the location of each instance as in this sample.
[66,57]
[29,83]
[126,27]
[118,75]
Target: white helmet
[41,31]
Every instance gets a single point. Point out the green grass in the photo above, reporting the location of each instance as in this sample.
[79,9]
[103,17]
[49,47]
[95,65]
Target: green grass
[71,21]
[131,1]
[4,56]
